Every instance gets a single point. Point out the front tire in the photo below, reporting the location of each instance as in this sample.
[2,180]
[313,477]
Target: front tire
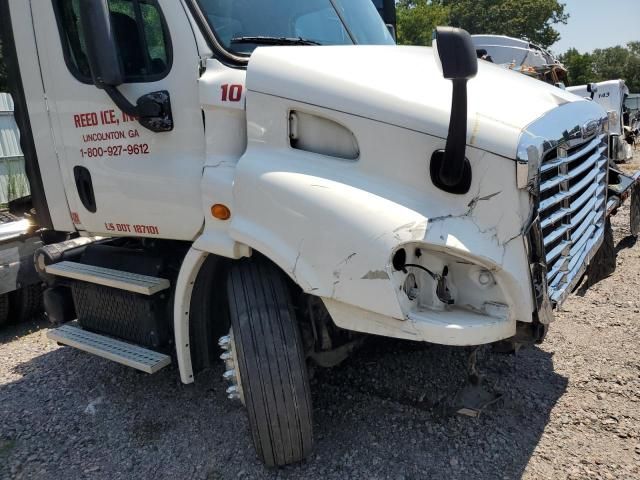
[26,303]
[4,308]
[271,362]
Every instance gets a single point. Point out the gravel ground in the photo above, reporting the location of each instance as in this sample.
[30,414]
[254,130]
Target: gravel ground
[570,409]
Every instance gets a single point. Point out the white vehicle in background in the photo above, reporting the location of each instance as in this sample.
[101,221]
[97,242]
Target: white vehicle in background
[521,56]
[258,192]
[611,95]
[20,284]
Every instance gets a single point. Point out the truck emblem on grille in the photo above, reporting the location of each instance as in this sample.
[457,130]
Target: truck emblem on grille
[590,128]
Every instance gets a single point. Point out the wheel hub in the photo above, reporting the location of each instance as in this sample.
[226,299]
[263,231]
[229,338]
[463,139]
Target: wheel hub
[232,371]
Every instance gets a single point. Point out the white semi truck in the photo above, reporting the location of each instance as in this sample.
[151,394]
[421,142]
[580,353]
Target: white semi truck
[521,56]
[611,95]
[269,180]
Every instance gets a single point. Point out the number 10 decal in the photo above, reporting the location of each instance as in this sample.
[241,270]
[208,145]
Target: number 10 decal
[231,93]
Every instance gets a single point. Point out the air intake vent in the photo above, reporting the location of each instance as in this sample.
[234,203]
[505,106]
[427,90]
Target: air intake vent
[315,134]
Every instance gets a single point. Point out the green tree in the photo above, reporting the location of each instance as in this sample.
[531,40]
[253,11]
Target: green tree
[605,64]
[533,20]
[530,19]
[610,63]
[580,66]
[632,69]
[417,19]
[3,71]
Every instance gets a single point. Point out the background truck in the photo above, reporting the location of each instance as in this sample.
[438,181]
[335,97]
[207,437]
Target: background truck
[611,95]
[20,285]
[272,180]
[521,56]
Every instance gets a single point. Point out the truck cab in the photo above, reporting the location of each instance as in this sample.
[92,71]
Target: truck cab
[270,181]
[521,56]
[611,95]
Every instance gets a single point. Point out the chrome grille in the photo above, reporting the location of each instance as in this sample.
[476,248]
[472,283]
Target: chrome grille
[573,186]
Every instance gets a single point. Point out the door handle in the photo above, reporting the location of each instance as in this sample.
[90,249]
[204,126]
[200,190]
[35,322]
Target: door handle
[85,188]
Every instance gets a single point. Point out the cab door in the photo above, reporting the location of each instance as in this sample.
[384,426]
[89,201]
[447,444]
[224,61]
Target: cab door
[121,178]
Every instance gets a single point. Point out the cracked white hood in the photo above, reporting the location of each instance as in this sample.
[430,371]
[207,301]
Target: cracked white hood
[403,86]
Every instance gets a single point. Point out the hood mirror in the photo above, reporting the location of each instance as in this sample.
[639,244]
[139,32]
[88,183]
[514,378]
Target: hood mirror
[457,58]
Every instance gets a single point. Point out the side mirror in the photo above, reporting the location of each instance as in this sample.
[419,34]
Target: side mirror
[457,58]
[152,110]
[102,49]
[392,31]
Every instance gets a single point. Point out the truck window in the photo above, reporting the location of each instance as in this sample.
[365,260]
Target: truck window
[323,26]
[140,32]
[327,22]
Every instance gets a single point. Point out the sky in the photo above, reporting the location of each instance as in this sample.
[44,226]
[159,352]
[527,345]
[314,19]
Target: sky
[598,24]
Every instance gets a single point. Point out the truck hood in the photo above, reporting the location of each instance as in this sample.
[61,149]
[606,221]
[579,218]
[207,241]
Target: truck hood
[403,86]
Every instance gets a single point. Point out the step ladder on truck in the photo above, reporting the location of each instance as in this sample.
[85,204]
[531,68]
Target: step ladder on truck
[267,182]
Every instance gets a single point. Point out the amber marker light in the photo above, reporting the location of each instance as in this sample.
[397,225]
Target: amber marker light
[221,212]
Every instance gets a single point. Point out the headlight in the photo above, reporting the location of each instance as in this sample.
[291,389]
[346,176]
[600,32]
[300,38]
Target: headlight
[437,281]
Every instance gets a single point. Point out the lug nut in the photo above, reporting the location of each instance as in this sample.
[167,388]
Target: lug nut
[224,342]
[226,356]
[229,375]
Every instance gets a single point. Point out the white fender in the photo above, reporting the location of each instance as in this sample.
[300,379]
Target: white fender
[182,308]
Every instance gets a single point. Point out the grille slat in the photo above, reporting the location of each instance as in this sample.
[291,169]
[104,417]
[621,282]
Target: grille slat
[554,182]
[556,234]
[582,213]
[557,251]
[584,181]
[557,162]
[573,197]
[586,165]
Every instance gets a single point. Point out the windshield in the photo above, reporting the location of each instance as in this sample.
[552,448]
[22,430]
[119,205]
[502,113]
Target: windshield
[326,22]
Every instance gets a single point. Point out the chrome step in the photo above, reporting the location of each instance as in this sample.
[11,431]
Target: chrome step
[108,277]
[106,347]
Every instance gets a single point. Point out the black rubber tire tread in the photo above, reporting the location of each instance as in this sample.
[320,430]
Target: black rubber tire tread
[603,263]
[505,347]
[4,308]
[26,303]
[271,362]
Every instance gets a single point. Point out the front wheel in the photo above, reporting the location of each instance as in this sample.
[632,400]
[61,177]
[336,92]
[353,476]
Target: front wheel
[266,362]
[4,308]
[26,303]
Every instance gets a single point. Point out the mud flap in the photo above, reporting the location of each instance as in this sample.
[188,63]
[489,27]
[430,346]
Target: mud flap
[603,263]
[634,214]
